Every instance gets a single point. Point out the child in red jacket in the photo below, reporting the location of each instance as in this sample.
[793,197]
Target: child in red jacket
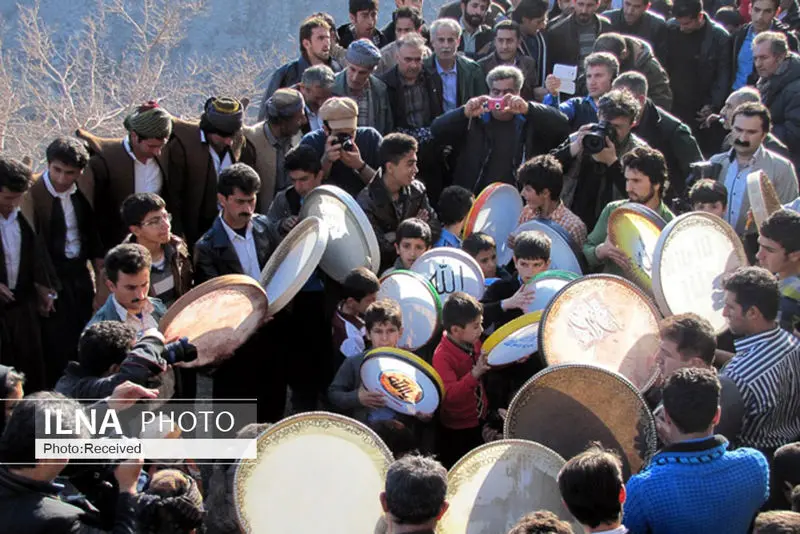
[459,362]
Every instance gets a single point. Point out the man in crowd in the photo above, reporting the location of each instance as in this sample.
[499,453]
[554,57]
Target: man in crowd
[593,490]
[730,486]
[593,179]
[476,36]
[531,15]
[391,31]
[406,20]
[779,83]
[456,77]
[637,19]
[315,49]
[349,153]
[698,62]
[779,253]
[127,270]
[316,86]
[762,19]
[120,167]
[766,363]
[689,341]
[493,146]
[724,121]
[61,215]
[571,38]
[363,24]
[637,55]
[645,181]
[507,39]
[600,69]
[268,142]
[198,153]
[27,284]
[751,124]
[664,132]
[452,10]
[414,495]
[358,82]
[241,241]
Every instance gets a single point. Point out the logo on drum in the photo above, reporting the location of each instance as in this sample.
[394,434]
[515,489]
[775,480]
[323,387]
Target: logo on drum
[401,386]
[445,280]
[591,322]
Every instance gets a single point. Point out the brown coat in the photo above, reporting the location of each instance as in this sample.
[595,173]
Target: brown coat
[181,264]
[111,175]
[262,156]
[526,64]
[193,180]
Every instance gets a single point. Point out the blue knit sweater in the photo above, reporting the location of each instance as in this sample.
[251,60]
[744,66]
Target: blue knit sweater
[697,487]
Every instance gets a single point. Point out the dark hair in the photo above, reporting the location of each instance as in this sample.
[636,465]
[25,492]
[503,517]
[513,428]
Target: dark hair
[416,487]
[460,309]
[408,12]
[128,258]
[687,8]
[590,485]
[454,204]
[383,311]
[777,522]
[302,158]
[649,162]
[785,467]
[633,81]
[477,242]
[693,335]
[754,109]
[359,283]
[617,103]
[729,15]
[172,504]
[775,3]
[754,287]
[238,176]
[708,191]
[307,28]
[508,25]
[541,522]
[104,344]
[69,151]
[394,147]
[542,172]
[413,229]
[530,9]
[136,207]
[691,398]
[532,245]
[396,435]
[613,43]
[17,443]
[602,59]
[15,177]
[362,5]
[783,227]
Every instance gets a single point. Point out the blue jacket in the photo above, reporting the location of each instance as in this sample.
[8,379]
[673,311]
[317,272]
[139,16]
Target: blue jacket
[697,486]
[579,110]
[108,312]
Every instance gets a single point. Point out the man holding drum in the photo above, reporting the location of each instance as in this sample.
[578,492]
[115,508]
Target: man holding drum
[779,252]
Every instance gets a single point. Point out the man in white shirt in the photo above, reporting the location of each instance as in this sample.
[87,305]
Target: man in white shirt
[27,283]
[241,241]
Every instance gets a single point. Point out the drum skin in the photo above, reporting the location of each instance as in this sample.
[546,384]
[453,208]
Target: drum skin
[495,213]
[634,229]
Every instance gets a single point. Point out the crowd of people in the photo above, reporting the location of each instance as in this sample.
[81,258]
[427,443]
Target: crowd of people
[414,120]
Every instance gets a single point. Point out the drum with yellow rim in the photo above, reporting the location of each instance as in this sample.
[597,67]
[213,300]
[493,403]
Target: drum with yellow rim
[515,340]
[409,385]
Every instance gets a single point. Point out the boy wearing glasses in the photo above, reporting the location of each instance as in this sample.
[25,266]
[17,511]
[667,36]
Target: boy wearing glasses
[145,215]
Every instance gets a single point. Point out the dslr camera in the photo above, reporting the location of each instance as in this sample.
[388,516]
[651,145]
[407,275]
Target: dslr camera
[594,140]
[346,141]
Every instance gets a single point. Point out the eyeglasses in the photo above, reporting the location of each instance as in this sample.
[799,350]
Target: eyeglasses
[166,217]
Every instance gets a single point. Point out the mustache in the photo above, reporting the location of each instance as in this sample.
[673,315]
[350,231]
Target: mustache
[136,300]
[741,143]
[245,214]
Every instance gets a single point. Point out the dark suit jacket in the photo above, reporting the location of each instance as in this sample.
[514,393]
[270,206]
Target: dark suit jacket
[493,313]
[562,40]
[470,79]
[214,254]
[397,101]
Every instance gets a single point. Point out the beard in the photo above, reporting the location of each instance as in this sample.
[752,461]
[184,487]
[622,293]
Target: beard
[474,20]
[645,199]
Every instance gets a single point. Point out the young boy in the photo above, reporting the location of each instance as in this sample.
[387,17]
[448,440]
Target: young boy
[779,252]
[710,196]
[360,289]
[454,205]
[412,239]
[459,362]
[483,248]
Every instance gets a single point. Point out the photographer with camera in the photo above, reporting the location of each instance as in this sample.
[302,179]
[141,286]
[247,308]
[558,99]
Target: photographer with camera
[30,498]
[497,133]
[349,153]
[591,157]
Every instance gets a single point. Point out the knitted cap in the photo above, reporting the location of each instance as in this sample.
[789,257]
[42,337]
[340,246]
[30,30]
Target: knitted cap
[285,103]
[341,113]
[224,115]
[363,53]
[149,121]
